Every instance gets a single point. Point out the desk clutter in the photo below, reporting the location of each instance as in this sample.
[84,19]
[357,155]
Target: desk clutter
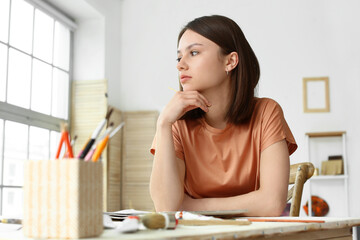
[63,198]
[94,146]
[132,220]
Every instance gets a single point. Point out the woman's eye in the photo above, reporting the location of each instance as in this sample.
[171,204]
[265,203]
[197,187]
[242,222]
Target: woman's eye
[178,59]
[194,53]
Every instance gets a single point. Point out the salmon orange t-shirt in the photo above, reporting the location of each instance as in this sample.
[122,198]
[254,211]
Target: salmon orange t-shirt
[226,162]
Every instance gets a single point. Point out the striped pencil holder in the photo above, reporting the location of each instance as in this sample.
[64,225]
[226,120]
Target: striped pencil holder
[63,199]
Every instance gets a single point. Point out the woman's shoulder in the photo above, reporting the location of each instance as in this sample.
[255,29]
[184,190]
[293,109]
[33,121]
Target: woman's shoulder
[266,104]
[263,101]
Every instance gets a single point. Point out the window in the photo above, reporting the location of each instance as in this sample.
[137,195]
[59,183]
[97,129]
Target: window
[35,50]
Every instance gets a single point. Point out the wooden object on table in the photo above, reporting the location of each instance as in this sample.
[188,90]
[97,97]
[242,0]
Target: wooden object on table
[62,199]
[299,174]
[89,107]
[277,219]
[138,134]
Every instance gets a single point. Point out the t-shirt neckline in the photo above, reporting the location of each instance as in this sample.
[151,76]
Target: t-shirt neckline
[213,129]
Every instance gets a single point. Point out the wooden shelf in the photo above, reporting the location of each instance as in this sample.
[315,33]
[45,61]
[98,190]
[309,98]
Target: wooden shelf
[325,134]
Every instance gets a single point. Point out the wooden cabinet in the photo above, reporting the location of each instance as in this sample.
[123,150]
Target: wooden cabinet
[332,188]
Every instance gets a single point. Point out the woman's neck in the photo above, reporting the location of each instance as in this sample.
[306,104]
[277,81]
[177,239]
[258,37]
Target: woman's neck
[219,99]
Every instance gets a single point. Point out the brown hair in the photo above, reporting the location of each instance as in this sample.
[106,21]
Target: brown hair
[244,77]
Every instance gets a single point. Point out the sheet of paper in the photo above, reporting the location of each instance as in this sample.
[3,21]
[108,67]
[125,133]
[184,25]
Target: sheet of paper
[122,214]
[7,227]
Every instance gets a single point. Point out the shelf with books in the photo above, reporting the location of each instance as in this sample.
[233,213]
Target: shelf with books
[327,152]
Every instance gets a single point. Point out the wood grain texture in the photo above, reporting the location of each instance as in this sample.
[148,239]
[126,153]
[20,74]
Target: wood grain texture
[89,106]
[139,132]
[299,174]
[325,134]
[113,166]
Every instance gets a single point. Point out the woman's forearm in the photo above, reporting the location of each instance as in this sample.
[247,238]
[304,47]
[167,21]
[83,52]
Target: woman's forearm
[256,203]
[166,182]
[167,176]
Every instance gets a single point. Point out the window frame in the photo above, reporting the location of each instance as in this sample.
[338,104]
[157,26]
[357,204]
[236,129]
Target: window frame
[10,112]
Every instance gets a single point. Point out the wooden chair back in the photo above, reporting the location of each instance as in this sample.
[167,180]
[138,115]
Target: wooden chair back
[299,173]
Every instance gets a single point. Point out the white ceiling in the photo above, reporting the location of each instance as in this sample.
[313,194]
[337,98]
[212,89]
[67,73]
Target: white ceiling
[75,9]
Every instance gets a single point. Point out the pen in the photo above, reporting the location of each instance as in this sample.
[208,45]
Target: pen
[95,134]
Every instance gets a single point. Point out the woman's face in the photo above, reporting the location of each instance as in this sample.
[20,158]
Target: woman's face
[200,64]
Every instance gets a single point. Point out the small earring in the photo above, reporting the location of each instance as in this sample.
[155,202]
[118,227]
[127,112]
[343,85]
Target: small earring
[227,72]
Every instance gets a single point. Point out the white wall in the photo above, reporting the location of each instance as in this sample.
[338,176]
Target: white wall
[292,39]
[89,49]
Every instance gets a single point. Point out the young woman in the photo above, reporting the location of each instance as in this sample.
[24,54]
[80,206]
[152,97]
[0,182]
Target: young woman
[217,146]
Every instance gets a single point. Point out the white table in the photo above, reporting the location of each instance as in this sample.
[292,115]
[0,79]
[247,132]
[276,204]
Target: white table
[332,228]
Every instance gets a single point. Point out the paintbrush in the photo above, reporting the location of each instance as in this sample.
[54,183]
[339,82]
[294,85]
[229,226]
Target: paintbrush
[93,148]
[168,221]
[159,221]
[64,138]
[95,134]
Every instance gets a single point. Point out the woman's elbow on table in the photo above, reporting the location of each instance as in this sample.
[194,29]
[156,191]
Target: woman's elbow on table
[274,206]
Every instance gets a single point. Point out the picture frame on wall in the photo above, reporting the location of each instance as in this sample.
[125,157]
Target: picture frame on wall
[316,94]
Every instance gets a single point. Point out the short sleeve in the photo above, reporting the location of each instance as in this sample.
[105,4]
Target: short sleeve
[275,128]
[179,152]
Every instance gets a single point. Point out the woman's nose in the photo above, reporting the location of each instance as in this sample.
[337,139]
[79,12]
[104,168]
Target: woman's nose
[181,65]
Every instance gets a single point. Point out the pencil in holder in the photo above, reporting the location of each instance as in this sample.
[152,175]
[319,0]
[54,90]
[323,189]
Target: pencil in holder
[63,199]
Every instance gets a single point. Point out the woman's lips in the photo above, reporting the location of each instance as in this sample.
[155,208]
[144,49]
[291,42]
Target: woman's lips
[184,78]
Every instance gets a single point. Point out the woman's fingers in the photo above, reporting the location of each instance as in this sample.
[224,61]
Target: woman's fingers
[194,99]
[196,95]
[183,102]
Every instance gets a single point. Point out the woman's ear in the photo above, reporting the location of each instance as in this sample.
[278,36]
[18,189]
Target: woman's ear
[232,61]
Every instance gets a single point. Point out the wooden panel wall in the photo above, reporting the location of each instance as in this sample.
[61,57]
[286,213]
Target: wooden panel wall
[127,160]
[138,135]
[89,107]
[114,153]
